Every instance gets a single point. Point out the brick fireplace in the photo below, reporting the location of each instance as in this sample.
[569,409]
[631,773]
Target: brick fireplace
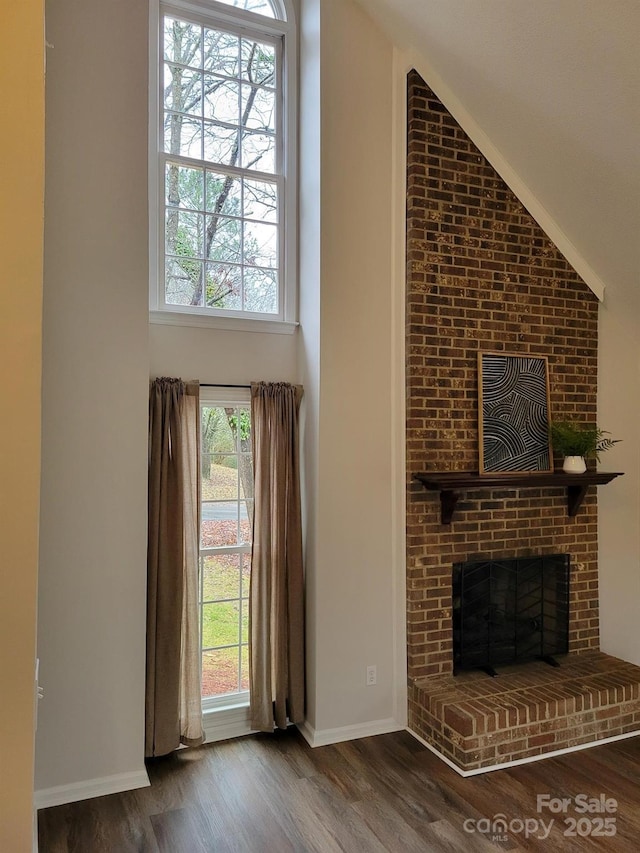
[482,276]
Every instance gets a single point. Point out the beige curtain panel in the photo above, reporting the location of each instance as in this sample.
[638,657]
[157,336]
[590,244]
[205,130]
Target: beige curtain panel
[173,683]
[276,604]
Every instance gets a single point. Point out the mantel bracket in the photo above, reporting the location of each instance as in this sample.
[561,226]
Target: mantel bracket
[448,501]
[575,496]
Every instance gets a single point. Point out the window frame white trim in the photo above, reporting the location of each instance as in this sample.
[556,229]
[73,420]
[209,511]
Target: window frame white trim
[210,13]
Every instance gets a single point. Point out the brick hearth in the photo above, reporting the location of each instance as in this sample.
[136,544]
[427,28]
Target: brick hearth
[478,722]
[482,276]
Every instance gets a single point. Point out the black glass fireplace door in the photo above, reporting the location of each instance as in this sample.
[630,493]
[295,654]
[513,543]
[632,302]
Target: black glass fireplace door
[508,611]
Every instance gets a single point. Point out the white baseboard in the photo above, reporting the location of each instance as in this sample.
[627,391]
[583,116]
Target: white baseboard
[324,737]
[518,761]
[61,794]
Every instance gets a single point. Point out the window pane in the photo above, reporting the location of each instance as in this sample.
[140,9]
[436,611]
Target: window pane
[220,144]
[220,523]
[182,42]
[220,623]
[223,286]
[258,62]
[221,52]
[240,423]
[227,507]
[220,672]
[244,610]
[224,239]
[249,508]
[184,231]
[219,475]
[184,186]
[260,7]
[244,533]
[258,108]
[183,281]
[183,136]
[261,290]
[221,100]
[223,194]
[244,679]
[260,244]
[182,89]
[260,200]
[258,152]
[245,570]
[221,577]
[216,432]
[219,107]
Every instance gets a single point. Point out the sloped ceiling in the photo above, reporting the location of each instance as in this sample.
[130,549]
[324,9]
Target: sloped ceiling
[554,87]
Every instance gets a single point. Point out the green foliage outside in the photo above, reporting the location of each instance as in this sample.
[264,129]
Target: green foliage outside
[240,424]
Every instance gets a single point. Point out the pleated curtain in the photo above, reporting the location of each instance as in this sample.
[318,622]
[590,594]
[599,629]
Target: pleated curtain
[173,677]
[276,603]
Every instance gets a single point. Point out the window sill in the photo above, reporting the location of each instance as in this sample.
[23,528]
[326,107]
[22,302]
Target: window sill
[231,324]
[226,722]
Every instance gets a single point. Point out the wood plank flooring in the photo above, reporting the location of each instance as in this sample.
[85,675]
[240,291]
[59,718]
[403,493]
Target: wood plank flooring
[274,794]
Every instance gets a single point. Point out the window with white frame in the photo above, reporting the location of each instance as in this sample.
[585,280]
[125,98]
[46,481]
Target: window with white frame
[225,545]
[224,241]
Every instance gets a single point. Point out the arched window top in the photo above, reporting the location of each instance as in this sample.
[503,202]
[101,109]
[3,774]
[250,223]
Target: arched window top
[268,8]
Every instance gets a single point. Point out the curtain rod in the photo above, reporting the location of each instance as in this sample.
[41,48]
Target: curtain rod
[218,385]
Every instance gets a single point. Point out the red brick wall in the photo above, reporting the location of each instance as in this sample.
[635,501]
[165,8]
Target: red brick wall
[481,275]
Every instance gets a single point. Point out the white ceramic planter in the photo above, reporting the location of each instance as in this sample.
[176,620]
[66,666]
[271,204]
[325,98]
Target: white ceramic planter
[574,465]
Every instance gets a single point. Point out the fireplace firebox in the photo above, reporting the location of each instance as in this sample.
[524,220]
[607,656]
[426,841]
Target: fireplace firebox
[510,611]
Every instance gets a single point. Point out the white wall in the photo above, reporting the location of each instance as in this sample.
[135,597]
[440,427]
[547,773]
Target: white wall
[93,524]
[22,181]
[619,503]
[349,554]
[309,300]
[218,355]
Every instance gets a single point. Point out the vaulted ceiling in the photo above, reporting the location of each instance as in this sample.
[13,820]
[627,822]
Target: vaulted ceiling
[552,90]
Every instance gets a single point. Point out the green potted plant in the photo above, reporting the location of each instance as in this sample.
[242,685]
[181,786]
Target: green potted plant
[576,442]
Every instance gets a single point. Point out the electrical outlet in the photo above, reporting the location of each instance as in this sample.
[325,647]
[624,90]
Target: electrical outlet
[372,675]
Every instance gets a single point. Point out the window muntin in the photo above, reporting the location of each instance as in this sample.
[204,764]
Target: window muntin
[225,548]
[221,237]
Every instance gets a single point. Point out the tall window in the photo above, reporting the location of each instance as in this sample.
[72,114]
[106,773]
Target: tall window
[224,237]
[225,546]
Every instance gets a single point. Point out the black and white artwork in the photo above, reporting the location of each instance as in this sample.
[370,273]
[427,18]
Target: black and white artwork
[513,414]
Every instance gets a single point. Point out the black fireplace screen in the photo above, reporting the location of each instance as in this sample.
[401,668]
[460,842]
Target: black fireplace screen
[505,611]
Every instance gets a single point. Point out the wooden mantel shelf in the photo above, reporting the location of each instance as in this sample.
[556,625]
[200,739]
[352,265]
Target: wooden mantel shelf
[451,483]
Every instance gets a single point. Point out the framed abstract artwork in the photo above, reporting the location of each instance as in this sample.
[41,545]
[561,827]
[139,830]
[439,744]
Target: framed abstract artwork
[513,411]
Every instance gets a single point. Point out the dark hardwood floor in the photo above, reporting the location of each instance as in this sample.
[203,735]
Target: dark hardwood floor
[273,794]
